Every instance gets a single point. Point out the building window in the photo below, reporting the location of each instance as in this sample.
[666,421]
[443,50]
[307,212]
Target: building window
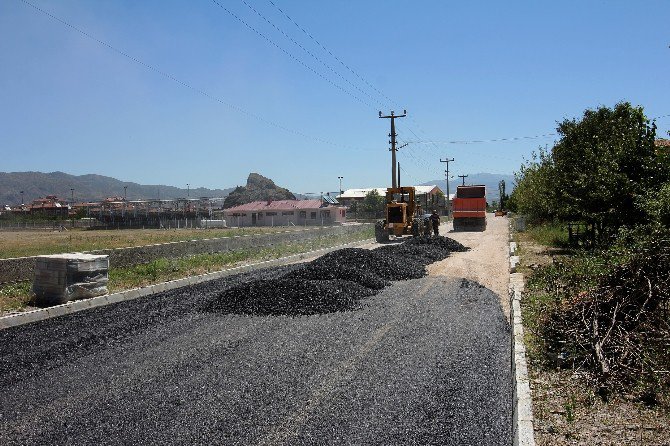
[303,214]
[287,213]
[313,215]
[270,214]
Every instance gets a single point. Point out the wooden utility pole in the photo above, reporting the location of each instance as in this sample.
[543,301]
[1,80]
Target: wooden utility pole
[464,177]
[446,172]
[393,148]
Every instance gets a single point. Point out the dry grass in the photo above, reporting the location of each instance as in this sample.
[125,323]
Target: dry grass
[30,243]
[567,410]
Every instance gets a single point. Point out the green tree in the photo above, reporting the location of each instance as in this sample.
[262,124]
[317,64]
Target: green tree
[533,194]
[373,203]
[603,164]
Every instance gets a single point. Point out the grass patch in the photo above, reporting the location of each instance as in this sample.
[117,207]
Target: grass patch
[17,296]
[162,270]
[31,243]
[554,235]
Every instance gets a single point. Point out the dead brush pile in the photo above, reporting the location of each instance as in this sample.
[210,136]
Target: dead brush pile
[618,331]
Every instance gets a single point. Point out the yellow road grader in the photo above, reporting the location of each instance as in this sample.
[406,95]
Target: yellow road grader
[403,215]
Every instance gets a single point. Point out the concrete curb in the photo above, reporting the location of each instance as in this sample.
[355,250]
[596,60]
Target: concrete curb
[28,317]
[522,421]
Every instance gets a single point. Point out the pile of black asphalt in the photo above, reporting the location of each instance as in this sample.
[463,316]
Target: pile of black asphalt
[338,280]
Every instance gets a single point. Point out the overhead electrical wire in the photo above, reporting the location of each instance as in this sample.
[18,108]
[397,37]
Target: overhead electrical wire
[351,70]
[415,157]
[183,83]
[290,55]
[482,141]
[292,40]
[308,34]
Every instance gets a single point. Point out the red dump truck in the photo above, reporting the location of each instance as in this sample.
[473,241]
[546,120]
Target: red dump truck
[469,208]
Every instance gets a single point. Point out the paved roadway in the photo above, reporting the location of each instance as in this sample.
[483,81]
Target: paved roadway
[424,362]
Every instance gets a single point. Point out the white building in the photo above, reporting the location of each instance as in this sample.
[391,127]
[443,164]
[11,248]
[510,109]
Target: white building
[285,213]
[427,196]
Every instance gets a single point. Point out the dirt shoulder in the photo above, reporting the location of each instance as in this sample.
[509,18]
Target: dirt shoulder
[486,262]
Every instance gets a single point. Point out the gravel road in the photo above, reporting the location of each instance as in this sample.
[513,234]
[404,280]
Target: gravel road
[485,263]
[425,361]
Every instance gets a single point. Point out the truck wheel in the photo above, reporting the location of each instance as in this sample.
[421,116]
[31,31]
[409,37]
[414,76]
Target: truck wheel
[381,234]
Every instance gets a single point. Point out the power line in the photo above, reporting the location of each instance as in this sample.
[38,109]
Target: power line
[414,180]
[483,141]
[308,34]
[307,51]
[329,52]
[180,82]
[273,43]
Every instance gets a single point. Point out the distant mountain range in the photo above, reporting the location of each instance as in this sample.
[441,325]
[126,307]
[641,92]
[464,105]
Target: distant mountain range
[490,180]
[98,187]
[87,188]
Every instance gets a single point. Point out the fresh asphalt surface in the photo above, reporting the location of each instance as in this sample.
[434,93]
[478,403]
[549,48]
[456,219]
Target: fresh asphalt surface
[426,361]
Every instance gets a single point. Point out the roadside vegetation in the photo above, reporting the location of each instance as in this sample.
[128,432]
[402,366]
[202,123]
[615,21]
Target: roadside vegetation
[597,300]
[17,296]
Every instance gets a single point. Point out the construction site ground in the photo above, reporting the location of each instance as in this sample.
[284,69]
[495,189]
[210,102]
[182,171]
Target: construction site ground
[424,361]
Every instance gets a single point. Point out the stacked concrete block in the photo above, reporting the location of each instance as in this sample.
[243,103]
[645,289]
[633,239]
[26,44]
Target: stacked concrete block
[60,278]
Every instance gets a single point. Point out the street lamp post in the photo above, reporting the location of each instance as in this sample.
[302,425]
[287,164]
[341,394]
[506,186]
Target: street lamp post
[72,205]
[23,208]
[341,191]
[187,206]
[125,198]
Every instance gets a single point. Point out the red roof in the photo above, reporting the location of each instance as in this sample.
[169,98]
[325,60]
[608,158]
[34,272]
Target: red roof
[661,142]
[279,205]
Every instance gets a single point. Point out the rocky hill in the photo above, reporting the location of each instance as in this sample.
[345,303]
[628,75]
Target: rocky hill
[87,187]
[258,188]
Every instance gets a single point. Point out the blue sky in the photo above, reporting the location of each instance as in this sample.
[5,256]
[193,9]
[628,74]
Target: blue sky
[206,100]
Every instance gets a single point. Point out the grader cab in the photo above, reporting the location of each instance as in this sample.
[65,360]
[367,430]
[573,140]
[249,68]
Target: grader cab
[403,215]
